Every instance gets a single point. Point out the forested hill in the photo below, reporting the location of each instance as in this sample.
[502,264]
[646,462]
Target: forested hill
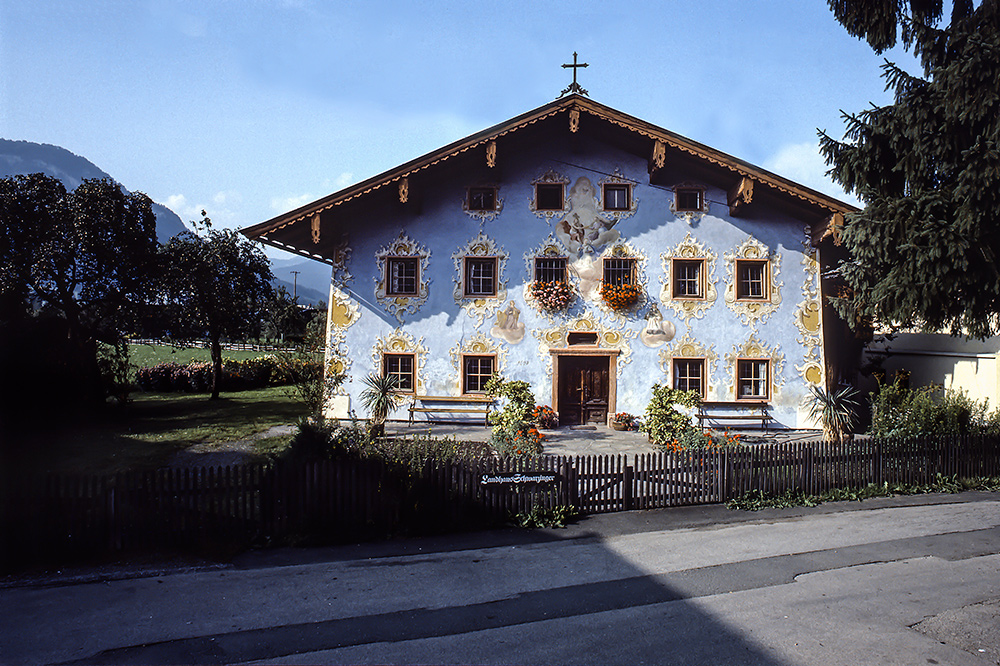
[24,157]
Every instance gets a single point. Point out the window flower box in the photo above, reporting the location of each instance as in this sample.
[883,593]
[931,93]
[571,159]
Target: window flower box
[552,296]
[620,296]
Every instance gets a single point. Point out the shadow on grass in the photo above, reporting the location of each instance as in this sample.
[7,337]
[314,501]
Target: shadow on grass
[145,434]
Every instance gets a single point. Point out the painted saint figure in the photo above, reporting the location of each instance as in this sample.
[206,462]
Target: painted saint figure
[582,228]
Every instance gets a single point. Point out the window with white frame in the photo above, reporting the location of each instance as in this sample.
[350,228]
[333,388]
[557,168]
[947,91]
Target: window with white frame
[476,371]
[403,278]
[689,375]
[688,278]
[400,366]
[752,280]
[480,277]
[752,379]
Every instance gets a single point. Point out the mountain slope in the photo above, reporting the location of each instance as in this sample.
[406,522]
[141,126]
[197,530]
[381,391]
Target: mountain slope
[24,157]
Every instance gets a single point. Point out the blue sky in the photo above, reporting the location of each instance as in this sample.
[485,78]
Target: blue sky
[248,108]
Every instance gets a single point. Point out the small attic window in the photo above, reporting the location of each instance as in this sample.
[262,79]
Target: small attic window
[689,199]
[482,198]
[617,196]
[548,196]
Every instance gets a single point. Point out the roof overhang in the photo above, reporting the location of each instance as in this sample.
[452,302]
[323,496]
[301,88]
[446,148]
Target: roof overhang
[298,231]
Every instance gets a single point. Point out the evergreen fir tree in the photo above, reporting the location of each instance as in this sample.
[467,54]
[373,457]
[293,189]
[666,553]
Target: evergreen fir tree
[925,250]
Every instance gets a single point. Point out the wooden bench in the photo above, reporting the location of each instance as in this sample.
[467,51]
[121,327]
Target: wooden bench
[741,411]
[446,404]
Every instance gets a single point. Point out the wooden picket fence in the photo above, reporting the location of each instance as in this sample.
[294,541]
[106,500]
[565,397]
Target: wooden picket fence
[335,501]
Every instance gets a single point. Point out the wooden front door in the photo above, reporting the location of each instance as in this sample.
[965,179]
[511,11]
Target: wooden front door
[583,389]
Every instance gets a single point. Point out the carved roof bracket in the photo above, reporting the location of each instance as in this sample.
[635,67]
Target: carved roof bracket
[404,190]
[740,196]
[829,226]
[659,156]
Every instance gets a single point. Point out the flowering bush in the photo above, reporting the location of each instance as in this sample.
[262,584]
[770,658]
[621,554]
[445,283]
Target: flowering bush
[628,420]
[552,296]
[698,440]
[546,417]
[620,296]
[514,432]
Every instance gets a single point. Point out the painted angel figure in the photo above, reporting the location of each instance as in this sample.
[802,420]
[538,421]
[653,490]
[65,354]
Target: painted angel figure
[583,227]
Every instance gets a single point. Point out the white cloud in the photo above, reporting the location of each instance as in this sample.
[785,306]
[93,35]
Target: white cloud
[282,205]
[227,196]
[803,163]
[186,211]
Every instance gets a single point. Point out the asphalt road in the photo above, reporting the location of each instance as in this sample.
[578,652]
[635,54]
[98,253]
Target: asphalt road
[894,581]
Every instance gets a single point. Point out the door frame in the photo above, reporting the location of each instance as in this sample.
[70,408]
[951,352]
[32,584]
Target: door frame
[612,357]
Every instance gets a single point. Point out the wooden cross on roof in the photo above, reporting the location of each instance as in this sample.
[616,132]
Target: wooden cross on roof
[575,87]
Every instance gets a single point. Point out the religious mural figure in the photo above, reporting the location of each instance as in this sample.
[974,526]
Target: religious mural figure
[656,331]
[582,228]
[507,326]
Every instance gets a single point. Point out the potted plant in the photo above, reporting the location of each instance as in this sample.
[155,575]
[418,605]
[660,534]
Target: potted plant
[552,296]
[835,409]
[620,296]
[624,421]
[380,398]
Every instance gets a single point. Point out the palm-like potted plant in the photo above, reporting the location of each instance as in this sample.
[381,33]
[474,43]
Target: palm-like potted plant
[835,409]
[380,398]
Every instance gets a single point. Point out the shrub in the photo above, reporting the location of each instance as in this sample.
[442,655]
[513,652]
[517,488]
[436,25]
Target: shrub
[514,432]
[837,410]
[694,439]
[899,411]
[662,421]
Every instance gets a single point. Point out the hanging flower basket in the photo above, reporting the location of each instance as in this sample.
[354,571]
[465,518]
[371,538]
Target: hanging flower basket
[620,296]
[552,296]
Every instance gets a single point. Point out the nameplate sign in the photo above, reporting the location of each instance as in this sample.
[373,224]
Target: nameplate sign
[503,478]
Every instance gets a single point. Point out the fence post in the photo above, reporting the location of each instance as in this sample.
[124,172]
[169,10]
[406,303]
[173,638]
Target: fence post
[628,487]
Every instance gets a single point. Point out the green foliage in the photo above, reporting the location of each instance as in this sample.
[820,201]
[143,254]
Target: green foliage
[514,432]
[539,516]
[379,398]
[662,421]
[925,249]
[836,409]
[901,412]
[76,268]
[756,499]
[218,282]
[303,365]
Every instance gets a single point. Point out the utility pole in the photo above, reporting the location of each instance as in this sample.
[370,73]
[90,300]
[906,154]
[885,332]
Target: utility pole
[295,284]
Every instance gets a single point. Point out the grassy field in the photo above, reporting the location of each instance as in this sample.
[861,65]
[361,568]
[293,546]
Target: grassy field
[143,356]
[152,429]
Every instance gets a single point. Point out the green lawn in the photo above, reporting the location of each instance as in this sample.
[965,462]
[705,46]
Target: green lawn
[152,429]
[143,356]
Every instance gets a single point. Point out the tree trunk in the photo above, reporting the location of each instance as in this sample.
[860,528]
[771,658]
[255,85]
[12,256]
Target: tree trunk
[216,365]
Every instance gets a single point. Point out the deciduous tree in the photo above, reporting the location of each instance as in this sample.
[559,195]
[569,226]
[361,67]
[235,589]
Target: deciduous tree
[924,250]
[219,282]
[75,268]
